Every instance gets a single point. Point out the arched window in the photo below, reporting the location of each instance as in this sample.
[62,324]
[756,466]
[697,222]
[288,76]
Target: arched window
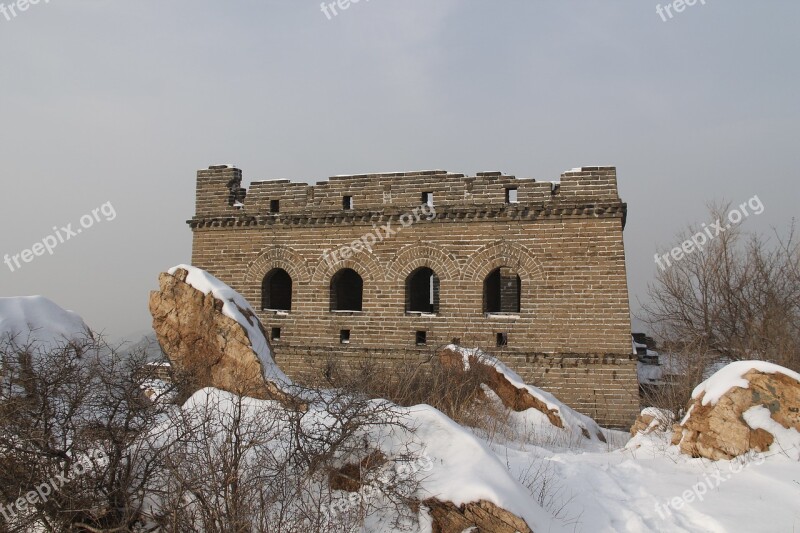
[422,291]
[276,290]
[502,291]
[347,289]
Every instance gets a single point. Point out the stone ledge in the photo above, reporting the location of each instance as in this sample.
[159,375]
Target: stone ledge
[494,212]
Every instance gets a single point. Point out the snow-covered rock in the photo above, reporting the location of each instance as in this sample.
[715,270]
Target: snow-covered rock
[747,405]
[40,322]
[542,410]
[211,334]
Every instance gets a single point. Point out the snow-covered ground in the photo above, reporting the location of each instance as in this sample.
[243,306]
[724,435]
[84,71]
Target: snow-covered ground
[626,485]
[573,485]
[648,485]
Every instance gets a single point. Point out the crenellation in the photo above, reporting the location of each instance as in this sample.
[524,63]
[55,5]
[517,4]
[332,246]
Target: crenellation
[373,191]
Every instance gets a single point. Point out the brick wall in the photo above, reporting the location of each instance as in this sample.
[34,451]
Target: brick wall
[571,334]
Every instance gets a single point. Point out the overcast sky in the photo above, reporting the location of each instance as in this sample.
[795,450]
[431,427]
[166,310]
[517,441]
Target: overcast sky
[122,102]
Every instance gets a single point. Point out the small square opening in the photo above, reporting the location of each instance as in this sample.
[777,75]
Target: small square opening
[422,338]
[347,202]
[427,199]
[502,339]
[344,336]
[511,196]
[275,335]
[274,206]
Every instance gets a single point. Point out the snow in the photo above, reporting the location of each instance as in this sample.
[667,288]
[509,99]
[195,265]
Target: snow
[787,440]
[649,374]
[39,320]
[463,468]
[237,308]
[617,491]
[661,414]
[636,487]
[158,390]
[388,172]
[673,364]
[732,376]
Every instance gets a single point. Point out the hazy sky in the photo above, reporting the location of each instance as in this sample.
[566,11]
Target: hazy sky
[121,102]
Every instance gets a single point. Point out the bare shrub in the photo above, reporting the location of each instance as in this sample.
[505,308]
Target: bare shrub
[241,465]
[444,387]
[59,406]
[229,464]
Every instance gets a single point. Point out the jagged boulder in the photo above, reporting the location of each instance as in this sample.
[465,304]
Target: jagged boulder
[483,515]
[212,336]
[515,394]
[446,517]
[747,405]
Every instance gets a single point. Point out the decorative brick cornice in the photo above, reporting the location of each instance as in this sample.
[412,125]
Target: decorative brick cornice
[530,212]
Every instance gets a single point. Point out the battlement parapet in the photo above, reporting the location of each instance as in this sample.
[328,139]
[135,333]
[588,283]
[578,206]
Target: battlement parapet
[220,194]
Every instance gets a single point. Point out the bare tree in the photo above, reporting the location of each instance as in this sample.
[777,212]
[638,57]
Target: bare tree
[737,298]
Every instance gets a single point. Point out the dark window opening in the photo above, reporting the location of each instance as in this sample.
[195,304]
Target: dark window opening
[276,290]
[422,291]
[422,338]
[347,289]
[427,198]
[502,339]
[502,291]
[276,334]
[344,336]
[511,196]
[274,206]
[347,202]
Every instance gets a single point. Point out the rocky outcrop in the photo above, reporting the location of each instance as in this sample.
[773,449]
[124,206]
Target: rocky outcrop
[483,515]
[206,346]
[446,516]
[726,420]
[515,396]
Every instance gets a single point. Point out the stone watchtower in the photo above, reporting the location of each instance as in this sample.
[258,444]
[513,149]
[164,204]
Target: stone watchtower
[388,267]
